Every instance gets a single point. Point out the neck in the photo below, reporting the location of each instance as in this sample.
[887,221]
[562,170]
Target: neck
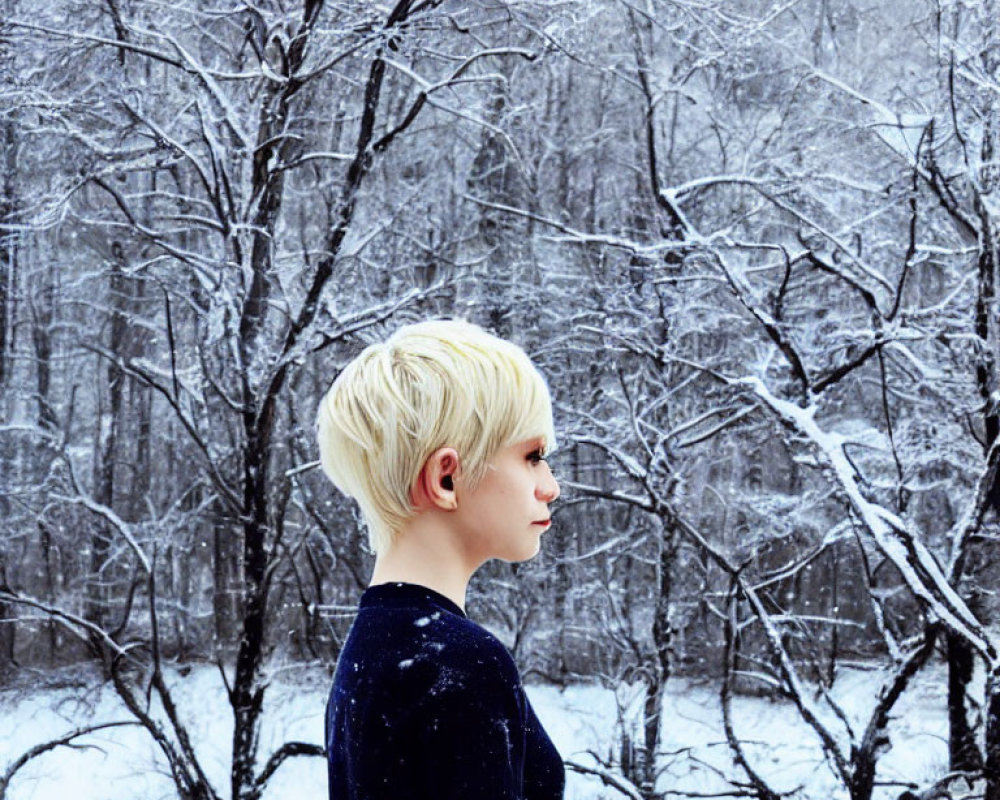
[426,553]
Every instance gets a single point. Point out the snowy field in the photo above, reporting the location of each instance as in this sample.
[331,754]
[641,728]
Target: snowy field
[121,763]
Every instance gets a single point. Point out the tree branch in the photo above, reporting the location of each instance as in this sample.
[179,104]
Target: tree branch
[287,750]
[44,747]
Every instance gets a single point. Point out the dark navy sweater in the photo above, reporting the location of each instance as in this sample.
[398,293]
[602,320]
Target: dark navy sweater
[428,705]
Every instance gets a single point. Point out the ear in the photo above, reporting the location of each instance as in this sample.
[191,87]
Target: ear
[435,485]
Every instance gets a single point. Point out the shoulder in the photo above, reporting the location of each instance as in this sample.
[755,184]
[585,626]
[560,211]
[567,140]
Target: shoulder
[465,691]
[452,653]
[403,656]
[422,670]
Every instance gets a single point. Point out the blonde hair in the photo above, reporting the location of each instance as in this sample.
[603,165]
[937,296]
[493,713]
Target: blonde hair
[431,384]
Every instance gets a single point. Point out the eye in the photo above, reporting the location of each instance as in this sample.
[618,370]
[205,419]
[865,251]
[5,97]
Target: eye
[536,455]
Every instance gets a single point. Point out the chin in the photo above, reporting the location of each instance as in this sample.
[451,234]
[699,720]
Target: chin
[524,555]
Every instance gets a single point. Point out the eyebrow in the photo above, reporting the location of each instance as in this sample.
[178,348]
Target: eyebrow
[538,443]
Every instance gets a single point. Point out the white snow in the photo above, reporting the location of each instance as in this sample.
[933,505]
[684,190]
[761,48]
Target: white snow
[122,762]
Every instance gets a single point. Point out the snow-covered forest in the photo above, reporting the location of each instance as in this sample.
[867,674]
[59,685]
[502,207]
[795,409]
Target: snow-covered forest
[752,246]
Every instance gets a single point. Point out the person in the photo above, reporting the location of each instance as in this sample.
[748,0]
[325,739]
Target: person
[440,435]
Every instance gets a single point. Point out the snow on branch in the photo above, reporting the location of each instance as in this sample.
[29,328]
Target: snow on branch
[574,236]
[156,55]
[110,516]
[916,564]
[608,778]
[774,330]
[77,625]
[794,688]
[971,521]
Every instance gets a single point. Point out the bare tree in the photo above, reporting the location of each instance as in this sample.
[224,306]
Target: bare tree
[205,177]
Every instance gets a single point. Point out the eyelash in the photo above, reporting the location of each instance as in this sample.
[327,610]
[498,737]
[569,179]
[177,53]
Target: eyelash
[535,456]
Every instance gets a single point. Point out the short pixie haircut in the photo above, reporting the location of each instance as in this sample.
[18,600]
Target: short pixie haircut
[440,383]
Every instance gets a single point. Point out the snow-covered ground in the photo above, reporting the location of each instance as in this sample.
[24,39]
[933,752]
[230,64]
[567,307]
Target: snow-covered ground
[122,763]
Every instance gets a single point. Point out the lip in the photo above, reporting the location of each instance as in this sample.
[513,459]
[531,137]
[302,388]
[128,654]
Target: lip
[545,522]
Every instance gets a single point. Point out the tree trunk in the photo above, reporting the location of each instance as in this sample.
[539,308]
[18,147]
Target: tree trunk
[7,662]
[182,593]
[8,274]
[8,271]
[248,685]
[662,632]
[98,594]
[41,339]
[54,630]
[962,749]
[834,655]
[963,753]
[561,587]
[9,243]
[494,179]
[992,766]
[225,588]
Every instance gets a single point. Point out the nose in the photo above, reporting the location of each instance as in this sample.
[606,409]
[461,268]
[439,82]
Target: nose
[548,489]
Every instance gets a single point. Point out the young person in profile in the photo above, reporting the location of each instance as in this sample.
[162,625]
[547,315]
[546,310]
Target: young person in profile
[440,434]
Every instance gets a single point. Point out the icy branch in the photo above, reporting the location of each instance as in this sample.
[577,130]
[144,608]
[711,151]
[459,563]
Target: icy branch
[903,547]
[608,778]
